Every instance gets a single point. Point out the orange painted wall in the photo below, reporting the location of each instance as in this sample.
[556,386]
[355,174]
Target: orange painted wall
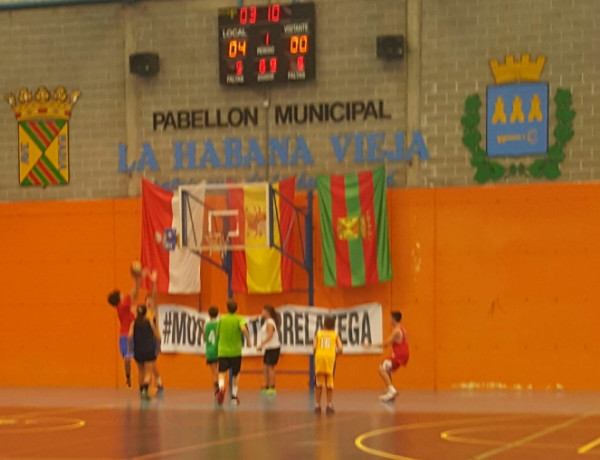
[497,284]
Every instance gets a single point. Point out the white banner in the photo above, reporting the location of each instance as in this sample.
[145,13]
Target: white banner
[182,329]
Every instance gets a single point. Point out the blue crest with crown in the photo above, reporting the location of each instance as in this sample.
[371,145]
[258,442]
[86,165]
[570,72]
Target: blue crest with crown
[517,122]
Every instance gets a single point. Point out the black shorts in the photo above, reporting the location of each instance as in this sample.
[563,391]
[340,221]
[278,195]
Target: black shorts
[271,357]
[144,357]
[233,364]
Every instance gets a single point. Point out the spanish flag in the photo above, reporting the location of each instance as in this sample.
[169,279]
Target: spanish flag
[265,270]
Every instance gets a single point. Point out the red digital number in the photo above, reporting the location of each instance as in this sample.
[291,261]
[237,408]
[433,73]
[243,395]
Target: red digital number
[267,39]
[243,15]
[273,13]
[252,15]
[300,63]
[239,67]
[262,65]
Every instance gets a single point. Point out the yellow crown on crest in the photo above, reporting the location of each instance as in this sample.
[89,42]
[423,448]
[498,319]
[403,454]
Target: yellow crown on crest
[515,71]
[29,106]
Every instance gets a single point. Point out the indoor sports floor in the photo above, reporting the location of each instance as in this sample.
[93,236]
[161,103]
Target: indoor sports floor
[185,424]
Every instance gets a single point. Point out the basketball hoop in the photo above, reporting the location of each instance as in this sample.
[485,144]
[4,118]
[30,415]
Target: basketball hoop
[215,242]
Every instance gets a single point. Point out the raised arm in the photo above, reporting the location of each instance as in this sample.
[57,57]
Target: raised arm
[154,279]
[155,331]
[135,291]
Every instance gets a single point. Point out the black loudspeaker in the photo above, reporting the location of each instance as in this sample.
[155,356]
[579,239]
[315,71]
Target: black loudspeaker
[390,46]
[144,64]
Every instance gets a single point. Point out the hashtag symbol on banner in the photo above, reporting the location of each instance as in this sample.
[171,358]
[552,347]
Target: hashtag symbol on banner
[166,332]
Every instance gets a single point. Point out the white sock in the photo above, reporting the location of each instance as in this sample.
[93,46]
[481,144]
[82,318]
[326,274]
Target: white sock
[159,382]
[221,383]
[391,389]
[234,390]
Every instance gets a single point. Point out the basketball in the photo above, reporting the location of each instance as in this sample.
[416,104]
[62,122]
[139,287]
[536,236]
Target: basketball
[136,268]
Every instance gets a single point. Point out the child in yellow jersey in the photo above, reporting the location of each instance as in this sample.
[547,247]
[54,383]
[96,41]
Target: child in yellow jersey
[326,345]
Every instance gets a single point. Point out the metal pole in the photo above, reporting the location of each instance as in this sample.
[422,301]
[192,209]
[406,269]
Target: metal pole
[308,230]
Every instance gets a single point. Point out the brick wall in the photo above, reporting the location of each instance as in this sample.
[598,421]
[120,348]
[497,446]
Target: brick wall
[79,48]
[87,48]
[461,36]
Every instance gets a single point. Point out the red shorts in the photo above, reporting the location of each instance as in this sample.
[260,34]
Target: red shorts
[394,362]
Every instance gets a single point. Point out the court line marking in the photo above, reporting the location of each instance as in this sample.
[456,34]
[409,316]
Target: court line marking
[359,440]
[63,424]
[589,446]
[455,436]
[42,412]
[236,439]
[538,434]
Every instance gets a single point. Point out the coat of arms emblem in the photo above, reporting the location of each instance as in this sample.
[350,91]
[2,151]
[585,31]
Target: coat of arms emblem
[43,123]
[517,123]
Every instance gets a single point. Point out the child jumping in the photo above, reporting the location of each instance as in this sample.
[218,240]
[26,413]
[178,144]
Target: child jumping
[212,343]
[399,357]
[269,341]
[326,345]
[126,314]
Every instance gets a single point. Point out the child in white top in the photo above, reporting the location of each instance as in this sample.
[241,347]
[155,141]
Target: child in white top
[269,341]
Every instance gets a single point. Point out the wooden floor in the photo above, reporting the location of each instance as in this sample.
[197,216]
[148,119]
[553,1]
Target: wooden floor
[115,424]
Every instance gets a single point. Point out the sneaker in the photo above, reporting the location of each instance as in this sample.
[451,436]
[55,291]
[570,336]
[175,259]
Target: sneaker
[329,411]
[264,390]
[388,397]
[221,395]
[160,391]
[145,395]
[235,401]
[318,410]
[271,392]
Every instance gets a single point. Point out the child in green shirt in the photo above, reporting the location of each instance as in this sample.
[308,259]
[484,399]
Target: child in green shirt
[231,329]
[212,342]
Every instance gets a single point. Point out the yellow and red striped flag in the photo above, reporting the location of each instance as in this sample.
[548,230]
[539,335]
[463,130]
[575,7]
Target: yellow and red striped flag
[263,270]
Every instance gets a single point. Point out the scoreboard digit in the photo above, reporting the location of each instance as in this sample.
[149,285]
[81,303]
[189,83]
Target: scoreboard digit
[267,44]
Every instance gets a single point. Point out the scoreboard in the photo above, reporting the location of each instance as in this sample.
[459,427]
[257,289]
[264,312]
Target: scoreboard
[261,45]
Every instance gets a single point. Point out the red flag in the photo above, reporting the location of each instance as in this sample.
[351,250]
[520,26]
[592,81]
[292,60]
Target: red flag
[178,269]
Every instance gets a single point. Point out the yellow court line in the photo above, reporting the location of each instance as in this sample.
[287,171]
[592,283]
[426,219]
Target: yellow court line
[589,446]
[359,441]
[457,436]
[45,411]
[519,442]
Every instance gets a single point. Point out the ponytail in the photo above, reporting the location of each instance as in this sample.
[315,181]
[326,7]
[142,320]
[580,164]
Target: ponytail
[275,316]
[141,314]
